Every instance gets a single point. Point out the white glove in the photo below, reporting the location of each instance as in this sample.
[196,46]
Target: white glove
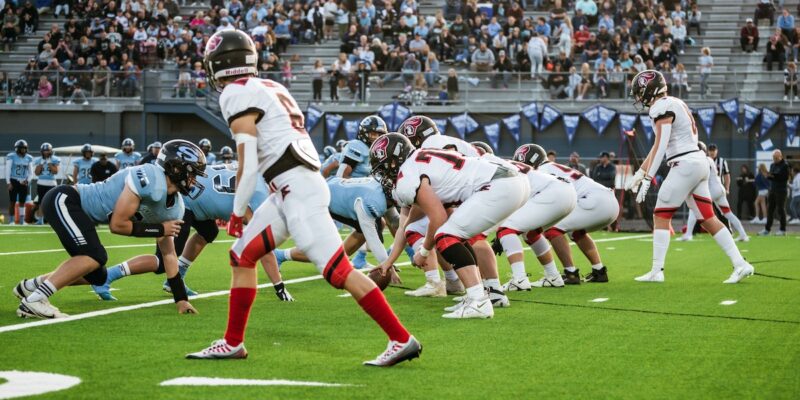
[643,190]
[633,184]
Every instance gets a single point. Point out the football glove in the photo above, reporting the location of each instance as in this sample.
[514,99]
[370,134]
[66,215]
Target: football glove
[497,247]
[633,184]
[283,295]
[643,188]
[235,226]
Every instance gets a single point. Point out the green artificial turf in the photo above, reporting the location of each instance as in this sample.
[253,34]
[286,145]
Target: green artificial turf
[671,340]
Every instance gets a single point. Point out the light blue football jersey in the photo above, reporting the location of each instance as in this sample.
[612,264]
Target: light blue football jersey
[84,169]
[46,178]
[147,181]
[127,160]
[335,157]
[358,151]
[211,158]
[344,193]
[20,166]
[212,197]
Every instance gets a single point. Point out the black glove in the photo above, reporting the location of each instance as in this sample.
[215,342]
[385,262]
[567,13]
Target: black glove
[283,295]
[496,246]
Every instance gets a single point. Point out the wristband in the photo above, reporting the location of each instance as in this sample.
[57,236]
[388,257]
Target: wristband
[141,229]
[177,287]
[423,251]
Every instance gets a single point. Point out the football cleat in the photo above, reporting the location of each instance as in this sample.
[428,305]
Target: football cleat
[472,308]
[219,349]
[597,276]
[498,298]
[549,281]
[743,238]
[572,278]
[685,238]
[429,289]
[189,292]
[740,272]
[454,286]
[20,291]
[38,309]
[103,292]
[360,260]
[517,285]
[397,352]
[652,276]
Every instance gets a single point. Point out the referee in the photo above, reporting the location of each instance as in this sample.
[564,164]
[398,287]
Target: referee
[722,167]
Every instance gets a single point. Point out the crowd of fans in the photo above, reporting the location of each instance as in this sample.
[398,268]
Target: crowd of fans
[782,46]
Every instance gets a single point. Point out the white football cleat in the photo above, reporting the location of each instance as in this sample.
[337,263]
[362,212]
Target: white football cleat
[517,285]
[219,349]
[454,286]
[549,281]
[685,238]
[20,291]
[38,309]
[462,300]
[397,352]
[652,276]
[740,272]
[429,289]
[498,298]
[472,308]
[744,238]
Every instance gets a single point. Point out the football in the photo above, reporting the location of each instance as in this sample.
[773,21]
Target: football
[380,280]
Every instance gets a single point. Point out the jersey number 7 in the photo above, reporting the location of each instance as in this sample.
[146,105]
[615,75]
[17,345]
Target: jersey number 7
[424,156]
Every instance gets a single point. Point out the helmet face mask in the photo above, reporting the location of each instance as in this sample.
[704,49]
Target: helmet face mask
[127,145]
[182,161]
[46,149]
[386,155]
[371,128]
[21,147]
[87,148]
[226,153]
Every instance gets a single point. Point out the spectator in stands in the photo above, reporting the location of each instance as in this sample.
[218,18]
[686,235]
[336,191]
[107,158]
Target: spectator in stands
[616,81]
[73,91]
[317,75]
[452,85]
[586,81]
[431,70]
[747,193]
[794,44]
[748,36]
[678,32]
[334,79]
[575,163]
[557,83]
[786,23]
[765,10]
[694,18]
[502,70]
[573,83]
[706,63]
[482,59]
[600,81]
[101,79]
[778,191]
[551,155]
[417,45]
[762,191]
[605,172]
[580,37]
[677,13]
[44,90]
[638,65]
[420,90]
[394,64]
[680,81]
[666,54]
[646,52]
[790,81]
[410,68]
[537,51]
[775,51]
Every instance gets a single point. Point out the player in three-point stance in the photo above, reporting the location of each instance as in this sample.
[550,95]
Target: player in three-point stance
[687,181]
[142,201]
[272,143]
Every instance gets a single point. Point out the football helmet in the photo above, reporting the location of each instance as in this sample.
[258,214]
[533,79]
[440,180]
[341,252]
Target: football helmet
[21,146]
[371,124]
[229,54]
[386,155]
[417,129]
[530,154]
[182,161]
[205,145]
[128,143]
[226,153]
[702,147]
[46,147]
[482,147]
[646,86]
[87,148]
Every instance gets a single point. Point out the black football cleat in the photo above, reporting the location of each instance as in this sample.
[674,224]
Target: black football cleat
[597,276]
[572,278]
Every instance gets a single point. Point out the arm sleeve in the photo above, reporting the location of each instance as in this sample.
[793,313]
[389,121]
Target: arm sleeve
[249,167]
[655,163]
[370,230]
[9,165]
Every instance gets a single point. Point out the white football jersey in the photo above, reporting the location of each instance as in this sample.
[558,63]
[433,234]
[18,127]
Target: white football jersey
[537,179]
[453,177]
[280,122]
[714,182]
[450,143]
[683,136]
[579,181]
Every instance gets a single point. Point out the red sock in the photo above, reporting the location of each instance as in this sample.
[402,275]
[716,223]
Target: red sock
[374,304]
[239,304]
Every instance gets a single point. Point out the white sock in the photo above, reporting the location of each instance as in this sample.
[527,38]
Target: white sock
[597,266]
[691,221]
[518,270]
[43,292]
[550,269]
[734,220]
[124,269]
[433,276]
[725,241]
[660,247]
[21,214]
[540,247]
[570,268]
[511,245]
[30,284]
[184,262]
[287,254]
[475,292]
[450,275]
[493,283]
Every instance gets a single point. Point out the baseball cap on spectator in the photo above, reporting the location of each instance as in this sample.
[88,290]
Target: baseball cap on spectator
[605,154]
[749,21]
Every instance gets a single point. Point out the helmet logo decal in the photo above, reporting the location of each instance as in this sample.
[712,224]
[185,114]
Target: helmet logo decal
[410,126]
[646,77]
[380,147]
[213,43]
[187,153]
[520,154]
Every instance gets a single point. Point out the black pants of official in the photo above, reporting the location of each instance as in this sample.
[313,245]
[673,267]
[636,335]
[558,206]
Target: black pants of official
[776,201]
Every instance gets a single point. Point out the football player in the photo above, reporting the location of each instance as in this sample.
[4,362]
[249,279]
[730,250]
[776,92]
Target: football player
[720,198]
[142,201]
[331,164]
[488,192]
[19,172]
[152,153]
[46,168]
[482,147]
[211,198]
[596,208]
[226,156]
[551,200]
[82,167]
[127,157]
[272,143]
[205,145]
[687,181]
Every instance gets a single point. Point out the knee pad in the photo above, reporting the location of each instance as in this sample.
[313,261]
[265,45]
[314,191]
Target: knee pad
[97,277]
[210,235]
[705,207]
[578,235]
[258,247]
[725,210]
[664,212]
[540,247]
[413,237]
[98,254]
[443,241]
[338,269]
[459,256]
[553,233]
[533,236]
[511,244]
[506,231]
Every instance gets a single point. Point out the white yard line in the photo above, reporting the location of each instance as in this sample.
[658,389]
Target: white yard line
[203,381]
[98,313]
[118,246]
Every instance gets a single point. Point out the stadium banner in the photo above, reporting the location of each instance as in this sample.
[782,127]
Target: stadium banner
[768,119]
[549,115]
[401,113]
[493,134]
[731,109]
[706,115]
[751,113]
[464,124]
[647,124]
[531,111]
[591,114]
[512,123]
[790,121]
[313,115]
[571,125]
[627,123]
[441,123]
[599,117]
[351,128]
[332,122]
[387,113]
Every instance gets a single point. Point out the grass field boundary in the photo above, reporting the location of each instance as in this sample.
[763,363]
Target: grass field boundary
[132,307]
